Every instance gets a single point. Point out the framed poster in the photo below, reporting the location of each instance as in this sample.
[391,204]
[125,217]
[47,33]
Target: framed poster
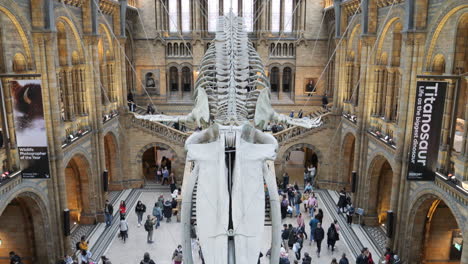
[150,81]
[310,86]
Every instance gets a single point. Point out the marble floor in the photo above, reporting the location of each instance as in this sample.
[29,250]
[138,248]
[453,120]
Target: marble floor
[168,236]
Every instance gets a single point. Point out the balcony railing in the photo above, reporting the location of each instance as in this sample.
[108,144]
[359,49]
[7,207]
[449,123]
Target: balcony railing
[174,135]
[454,188]
[9,182]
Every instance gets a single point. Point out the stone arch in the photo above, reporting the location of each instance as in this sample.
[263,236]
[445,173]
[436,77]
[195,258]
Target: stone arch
[437,28]
[112,160]
[347,158]
[438,64]
[177,163]
[20,29]
[26,226]
[300,146]
[75,34]
[391,23]
[19,63]
[79,189]
[379,188]
[421,210]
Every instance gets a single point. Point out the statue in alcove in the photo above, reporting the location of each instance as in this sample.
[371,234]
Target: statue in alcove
[150,83]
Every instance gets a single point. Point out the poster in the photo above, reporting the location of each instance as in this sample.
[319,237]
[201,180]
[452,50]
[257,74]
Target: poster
[31,135]
[427,123]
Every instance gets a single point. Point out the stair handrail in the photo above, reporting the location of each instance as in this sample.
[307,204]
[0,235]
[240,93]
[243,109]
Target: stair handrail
[161,129]
[294,131]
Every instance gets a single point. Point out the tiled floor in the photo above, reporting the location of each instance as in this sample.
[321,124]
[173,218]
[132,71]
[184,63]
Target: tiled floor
[168,236]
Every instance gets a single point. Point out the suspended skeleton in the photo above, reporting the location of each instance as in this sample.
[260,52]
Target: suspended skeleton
[231,156]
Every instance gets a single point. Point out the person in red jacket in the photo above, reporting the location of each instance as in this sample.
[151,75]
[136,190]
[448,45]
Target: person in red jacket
[122,209]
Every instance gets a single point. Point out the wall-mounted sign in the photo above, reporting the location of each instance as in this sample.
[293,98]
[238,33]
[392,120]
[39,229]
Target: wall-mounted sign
[427,123]
[31,135]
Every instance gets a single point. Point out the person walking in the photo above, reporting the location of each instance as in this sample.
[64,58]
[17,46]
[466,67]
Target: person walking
[344,259]
[306,259]
[140,209]
[284,207]
[305,199]
[149,224]
[122,208]
[313,223]
[285,180]
[157,213]
[312,204]
[158,175]
[123,229]
[177,255]
[319,234]
[172,182]
[105,260]
[319,215]
[342,202]
[362,258]
[14,258]
[325,102]
[108,213]
[165,174]
[167,211]
[297,202]
[300,220]
[147,259]
[332,236]
[333,261]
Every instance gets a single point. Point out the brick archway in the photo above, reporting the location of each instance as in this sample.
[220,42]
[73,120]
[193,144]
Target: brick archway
[111,150]
[431,217]
[80,190]
[379,189]
[177,163]
[26,229]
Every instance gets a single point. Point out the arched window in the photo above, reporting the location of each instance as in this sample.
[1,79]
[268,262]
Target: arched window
[176,49]
[287,78]
[274,79]
[228,4]
[169,49]
[185,15]
[182,50]
[189,50]
[288,16]
[186,79]
[173,16]
[247,13]
[291,50]
[213,14]
[285,49]
[275,15]
[272,49]
[173,79]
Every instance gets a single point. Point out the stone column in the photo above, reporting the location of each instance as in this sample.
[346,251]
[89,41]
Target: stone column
[389,95]
[69,94]
[179,83]
[280,88]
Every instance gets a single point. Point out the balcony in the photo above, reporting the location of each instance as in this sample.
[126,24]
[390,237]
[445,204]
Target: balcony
[452,186]
[8,182]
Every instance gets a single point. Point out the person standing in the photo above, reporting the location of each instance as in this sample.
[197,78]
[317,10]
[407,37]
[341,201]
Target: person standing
[158,175]
[122,208]
[344,259]
[157,213]
[177,255]
[123,229]
[172,182]
[300,114]
[14,258]
[332,236]
[285,236]
[362,258]
[147,259]
[307,259]
[319,215]
[333,261]
[284,206]
[297,202]
[108,213]
[313,225]
[312,204]
[349,214]
[165,174]
[149,224]
[285,180]
[342,202]
[325,102]
[319,234]
[140,209]
[305,199]
[291,115]
[105,260]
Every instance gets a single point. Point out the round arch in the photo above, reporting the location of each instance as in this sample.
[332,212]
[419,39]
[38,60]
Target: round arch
[347,158]
[176,163]
[76,35]
[432,208]
[79,188]
[111,150]
[26,227]
[380,179]
[300,147]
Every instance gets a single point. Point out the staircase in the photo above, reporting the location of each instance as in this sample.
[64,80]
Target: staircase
[194,208]
[171,134]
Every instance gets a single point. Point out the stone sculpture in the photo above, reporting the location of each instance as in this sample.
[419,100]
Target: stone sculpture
[232,97]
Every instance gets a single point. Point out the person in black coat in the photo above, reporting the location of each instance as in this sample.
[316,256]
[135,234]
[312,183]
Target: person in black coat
[306,259]
[167,210]
[319,234]
[362,258]
[344,259]
[332,236]
[319,215]
[342,202]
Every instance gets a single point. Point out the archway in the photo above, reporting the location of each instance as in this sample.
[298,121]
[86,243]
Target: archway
[173,80]
[24,231]
[297,159]
[347,159]
[152,159]
[274,79]
[287,79]
[78,190]
[436,236]
[380,189]
[111,155]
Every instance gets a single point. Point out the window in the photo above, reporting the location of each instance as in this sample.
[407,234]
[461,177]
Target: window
[247,13]
[173,16]
[185,15]
[288,16]
[275,15]
[228,4]
[213,14]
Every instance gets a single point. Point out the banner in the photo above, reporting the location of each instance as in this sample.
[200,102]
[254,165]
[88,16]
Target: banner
[31,136]
[427,123]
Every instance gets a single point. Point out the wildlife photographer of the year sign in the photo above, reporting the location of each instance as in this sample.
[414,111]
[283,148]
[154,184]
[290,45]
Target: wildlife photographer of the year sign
[427,122]
[31,136]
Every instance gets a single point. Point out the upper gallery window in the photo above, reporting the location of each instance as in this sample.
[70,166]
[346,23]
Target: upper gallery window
[278,24]
[214,10]
[181,11]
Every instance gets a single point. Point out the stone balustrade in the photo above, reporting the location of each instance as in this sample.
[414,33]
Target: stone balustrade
[296,131]
[8,184]
[169,133]
[456,191]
